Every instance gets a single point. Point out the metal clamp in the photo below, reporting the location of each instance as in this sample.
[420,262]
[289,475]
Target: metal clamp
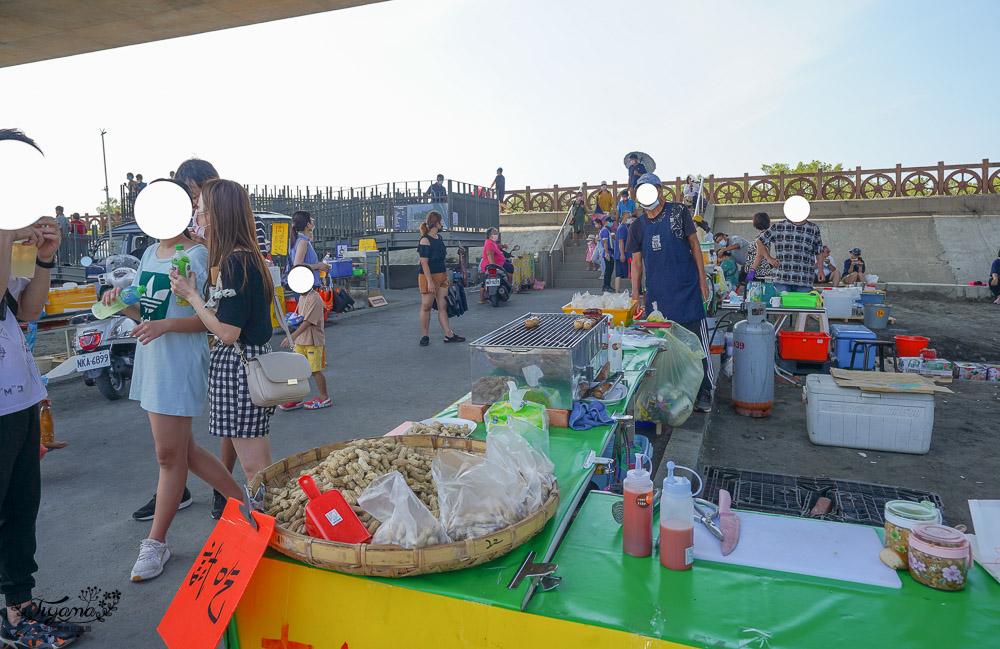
[592,459]
[531,569]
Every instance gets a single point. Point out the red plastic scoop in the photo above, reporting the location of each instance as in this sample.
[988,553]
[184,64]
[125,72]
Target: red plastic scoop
[328,516]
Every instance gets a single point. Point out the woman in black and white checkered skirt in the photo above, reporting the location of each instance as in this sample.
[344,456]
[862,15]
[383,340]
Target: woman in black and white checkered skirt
[240,284]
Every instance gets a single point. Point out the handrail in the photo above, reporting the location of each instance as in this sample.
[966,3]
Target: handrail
[559,234]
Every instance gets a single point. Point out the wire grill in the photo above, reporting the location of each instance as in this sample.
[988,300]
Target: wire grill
[555,331]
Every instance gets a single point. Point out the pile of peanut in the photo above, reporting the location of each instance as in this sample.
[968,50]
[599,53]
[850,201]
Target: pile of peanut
[350,470]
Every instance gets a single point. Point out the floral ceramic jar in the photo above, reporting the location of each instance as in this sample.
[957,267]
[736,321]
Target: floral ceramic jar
[900,516]
[939,556]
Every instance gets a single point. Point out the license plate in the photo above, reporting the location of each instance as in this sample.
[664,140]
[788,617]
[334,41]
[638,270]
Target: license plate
[93,361]
[495,281]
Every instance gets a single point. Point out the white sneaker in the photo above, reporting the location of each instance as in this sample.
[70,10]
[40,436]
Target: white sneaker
[152,556]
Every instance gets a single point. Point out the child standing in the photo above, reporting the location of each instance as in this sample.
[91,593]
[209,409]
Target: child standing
[310,341]
[591,247]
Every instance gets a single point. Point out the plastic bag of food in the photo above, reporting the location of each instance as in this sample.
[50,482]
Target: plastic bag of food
[667,395]
[475,496]
[527,418]
[405,520]
[534,470]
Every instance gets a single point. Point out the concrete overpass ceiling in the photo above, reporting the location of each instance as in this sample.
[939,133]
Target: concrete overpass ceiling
[38,30]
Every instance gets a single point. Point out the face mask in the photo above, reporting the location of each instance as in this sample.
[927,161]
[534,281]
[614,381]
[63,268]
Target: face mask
[495,237]
[653,206]
[724,242]
[199,230]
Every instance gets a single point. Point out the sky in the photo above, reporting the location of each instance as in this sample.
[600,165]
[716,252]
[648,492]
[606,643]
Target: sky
[555,91]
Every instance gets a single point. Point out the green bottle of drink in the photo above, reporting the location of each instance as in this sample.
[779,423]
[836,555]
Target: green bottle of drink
[180,262]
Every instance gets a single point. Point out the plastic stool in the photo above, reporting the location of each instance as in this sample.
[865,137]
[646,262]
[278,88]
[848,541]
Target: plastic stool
[872,345]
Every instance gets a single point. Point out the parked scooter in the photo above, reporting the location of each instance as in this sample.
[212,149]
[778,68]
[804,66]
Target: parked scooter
[105,349]
[497,284]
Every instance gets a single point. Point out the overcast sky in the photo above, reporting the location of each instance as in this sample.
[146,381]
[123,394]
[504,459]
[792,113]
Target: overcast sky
[554,91]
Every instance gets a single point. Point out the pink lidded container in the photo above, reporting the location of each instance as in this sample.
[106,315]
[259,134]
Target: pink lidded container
[939,556]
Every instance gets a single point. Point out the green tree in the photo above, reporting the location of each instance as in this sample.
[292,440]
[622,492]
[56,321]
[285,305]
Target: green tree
[801,168]
[115,207]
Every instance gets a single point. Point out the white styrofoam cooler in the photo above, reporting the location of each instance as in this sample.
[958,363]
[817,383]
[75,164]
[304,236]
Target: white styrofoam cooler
[878,421]
[838,303]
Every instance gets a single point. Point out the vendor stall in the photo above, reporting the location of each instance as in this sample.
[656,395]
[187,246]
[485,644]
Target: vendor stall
[602,598]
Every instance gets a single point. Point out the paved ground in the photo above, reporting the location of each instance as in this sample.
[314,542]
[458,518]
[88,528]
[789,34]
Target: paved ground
[378,376]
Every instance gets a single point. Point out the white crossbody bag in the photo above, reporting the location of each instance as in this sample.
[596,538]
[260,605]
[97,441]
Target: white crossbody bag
[276,377]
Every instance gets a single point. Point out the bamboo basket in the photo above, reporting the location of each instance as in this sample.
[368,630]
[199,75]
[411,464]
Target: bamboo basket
[391,560]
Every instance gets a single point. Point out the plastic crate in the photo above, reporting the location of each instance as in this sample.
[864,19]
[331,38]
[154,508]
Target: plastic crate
[800,300]
[620,317]
[804,345]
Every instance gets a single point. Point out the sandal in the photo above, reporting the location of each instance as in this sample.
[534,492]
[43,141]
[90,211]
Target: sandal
[426,340]
[454,338]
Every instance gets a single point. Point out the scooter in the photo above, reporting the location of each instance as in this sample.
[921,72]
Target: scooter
[497,284]
[105,352]
[105,349]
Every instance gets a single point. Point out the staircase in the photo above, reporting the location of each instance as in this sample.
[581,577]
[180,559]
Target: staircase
[573,273]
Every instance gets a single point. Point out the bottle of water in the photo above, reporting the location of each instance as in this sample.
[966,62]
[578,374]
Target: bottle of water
[126,298]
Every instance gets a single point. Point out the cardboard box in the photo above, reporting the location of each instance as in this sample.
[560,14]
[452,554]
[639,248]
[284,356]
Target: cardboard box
[474,411]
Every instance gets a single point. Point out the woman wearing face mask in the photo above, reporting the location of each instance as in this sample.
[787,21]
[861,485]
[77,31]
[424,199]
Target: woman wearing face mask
[238,311]
[491,255]
[300,247]
[170,380]
[433,280]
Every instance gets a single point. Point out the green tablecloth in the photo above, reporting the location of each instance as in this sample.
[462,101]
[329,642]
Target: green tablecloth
[716,604]
[568,448]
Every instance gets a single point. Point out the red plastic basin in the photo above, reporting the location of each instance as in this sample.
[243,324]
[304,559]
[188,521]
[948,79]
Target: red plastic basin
[804,345]
[910,345]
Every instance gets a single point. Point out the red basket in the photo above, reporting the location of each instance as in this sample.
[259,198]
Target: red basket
[804,345]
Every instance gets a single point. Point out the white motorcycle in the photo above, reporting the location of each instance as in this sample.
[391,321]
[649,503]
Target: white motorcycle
[105,349]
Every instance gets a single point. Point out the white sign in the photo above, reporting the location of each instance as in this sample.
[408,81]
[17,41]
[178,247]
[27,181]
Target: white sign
[380,220]
[454,218]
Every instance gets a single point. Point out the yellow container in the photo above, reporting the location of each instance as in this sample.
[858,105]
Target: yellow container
[280,290]
[620,317]
[73,298]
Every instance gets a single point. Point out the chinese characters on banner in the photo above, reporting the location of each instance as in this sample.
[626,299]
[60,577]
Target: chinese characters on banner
[205,602]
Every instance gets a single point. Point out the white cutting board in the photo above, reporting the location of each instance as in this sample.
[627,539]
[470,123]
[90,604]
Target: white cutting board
[804,546]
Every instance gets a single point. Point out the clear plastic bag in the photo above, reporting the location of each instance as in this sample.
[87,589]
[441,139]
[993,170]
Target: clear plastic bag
[406,521]
[528,418]
[476,496]
[667,395]
[533,470]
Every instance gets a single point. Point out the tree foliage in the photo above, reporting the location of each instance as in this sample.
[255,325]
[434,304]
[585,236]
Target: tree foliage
[801,168]
[116,207]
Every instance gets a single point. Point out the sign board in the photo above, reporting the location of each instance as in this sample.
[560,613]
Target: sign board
[377,300]
[454,219]
[279,239]
[367,244]
[380,220]
[204,604]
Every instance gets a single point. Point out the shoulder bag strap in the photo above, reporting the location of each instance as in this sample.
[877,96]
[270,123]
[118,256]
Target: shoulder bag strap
[278,313]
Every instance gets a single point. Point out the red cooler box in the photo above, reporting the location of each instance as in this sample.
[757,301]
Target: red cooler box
[804,346]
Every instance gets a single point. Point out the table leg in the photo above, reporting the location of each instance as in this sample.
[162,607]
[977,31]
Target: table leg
[824,323]
[69,345]
[800,321]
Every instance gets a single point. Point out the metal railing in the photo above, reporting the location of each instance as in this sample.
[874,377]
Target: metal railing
[894,182]
[343,214]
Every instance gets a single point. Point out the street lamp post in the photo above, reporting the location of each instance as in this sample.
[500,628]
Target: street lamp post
[107,195]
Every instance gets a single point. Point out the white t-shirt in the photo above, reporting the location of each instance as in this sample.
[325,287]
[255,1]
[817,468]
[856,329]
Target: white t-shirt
[20,384]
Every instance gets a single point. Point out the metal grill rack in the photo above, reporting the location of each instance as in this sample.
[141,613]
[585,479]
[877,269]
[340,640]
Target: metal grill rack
[853,502]
[555,331]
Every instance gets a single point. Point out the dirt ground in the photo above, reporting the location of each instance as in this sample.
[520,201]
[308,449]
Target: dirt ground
[964,457]
[960,330]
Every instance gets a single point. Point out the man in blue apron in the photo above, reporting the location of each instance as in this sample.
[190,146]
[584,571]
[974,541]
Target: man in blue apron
[664,244]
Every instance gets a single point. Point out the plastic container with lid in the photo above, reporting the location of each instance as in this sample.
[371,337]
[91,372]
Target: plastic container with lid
[900,516]
[638,524]
[677,520]
[939,556]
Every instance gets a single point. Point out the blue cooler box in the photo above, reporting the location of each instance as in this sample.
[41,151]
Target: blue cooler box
[641,445]
[843,334]
[341,268]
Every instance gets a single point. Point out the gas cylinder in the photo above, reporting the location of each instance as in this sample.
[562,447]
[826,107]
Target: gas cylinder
[753,363]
